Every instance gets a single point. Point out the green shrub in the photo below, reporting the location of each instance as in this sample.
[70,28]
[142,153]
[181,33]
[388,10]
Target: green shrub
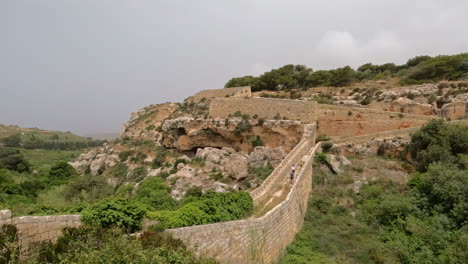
[124,155]
[154,192]
[322,137]
[12,159]
[255,141]
[211,207]
[326,146]
[61,173]
[118,212]
[97,245]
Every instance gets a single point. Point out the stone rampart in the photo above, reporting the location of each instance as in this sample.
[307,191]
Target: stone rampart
[345,121]
[39,228]
[221,93]
[256,240]
[265,108]
[281,172]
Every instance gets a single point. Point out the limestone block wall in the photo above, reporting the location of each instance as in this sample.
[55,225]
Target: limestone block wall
[456,110]
[256,240]
[222,93]
[265,108]
[345,121]
[281,172]
[39,228]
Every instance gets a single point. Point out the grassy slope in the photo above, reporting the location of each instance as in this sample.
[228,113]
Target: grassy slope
[331,234]
[44,135]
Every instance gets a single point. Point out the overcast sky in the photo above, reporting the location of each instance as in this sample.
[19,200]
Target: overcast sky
[85,65]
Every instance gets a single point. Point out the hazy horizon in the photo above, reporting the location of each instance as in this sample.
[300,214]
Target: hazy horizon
[84,66]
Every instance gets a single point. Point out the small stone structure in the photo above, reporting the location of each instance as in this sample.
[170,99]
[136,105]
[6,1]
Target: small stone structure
[265,108]
[39,228]
[221,93]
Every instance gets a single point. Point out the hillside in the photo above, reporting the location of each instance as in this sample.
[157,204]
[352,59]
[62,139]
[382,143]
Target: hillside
[35,138]
[224,156]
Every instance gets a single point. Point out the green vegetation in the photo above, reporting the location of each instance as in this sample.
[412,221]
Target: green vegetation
[211,207]
[439,142]
[421,221]
[33,138]
[99,245]
[419,69]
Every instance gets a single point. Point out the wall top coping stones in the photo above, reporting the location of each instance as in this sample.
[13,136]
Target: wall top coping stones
[369,110]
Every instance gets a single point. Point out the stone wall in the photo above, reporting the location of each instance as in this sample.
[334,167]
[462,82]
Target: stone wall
[345,121]
[456,110]
[256,240]
[39,228]
[222,93]
[265,108]
[281,171]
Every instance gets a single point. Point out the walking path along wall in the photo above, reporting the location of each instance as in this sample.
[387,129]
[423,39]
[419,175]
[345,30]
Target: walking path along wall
[256,240]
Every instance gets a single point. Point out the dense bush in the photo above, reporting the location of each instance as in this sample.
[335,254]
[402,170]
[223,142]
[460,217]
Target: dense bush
[118,212]
[12,159]
[98,245]
[154,193]
[211,207]
[61,173]
[438,142]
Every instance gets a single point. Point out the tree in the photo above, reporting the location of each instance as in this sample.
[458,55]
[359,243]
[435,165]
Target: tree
[342,76]
[13,141]
[61,173]
[119,212]
[12,159]
[416,60]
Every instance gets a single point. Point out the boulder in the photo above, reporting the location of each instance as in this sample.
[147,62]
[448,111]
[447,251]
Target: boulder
[337,163]
[236,165]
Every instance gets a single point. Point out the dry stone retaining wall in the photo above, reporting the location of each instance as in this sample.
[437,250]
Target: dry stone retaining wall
[221,93]
[265,108]
[344,121]
[39,228]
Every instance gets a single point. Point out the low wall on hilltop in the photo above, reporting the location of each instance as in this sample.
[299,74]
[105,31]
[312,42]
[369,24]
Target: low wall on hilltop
[256,240]
[265,108]
[345,121]
[38,228]
[221,93]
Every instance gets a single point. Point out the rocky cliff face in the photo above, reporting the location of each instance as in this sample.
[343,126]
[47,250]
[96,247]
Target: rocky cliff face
[188,133]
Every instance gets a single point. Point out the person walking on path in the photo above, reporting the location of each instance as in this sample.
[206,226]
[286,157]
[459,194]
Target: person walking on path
[291,176]
[293,168]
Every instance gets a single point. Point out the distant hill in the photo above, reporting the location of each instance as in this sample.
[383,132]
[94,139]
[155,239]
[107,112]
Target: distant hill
[35,138]
[102,136]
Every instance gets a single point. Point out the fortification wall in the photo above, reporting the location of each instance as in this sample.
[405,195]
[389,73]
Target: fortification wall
[265,108]
[39,228]
[345,121]
[277,177]
[256,240]
[221,93]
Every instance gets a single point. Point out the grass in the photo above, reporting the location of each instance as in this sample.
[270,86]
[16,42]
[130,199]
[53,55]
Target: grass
[333,231]
[42,159]
[40,134]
